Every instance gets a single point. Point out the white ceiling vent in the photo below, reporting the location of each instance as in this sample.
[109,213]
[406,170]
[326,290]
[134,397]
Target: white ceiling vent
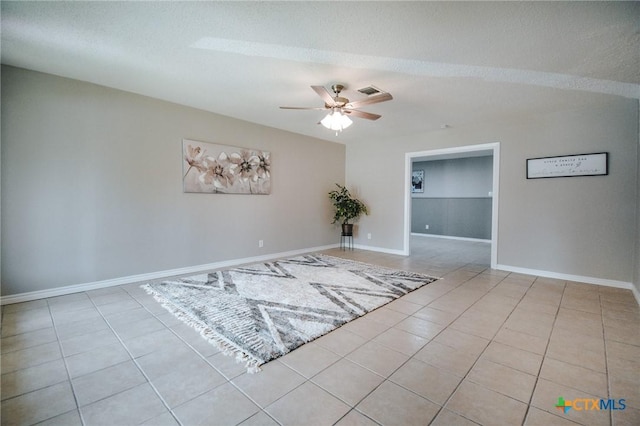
[370,90]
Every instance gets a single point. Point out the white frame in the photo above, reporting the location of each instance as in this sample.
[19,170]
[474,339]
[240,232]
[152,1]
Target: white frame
[409,156]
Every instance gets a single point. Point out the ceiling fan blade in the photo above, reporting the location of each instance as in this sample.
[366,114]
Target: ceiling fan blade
[372,100]
[325,95]
[318,108]
[361,114]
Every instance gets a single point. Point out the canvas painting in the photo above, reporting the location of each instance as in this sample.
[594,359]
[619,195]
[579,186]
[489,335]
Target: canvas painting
[223,169]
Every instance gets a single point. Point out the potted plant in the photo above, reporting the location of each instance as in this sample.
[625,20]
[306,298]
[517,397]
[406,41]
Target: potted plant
[347,208]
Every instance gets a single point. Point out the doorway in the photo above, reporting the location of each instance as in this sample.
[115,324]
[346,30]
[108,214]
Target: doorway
[447,153]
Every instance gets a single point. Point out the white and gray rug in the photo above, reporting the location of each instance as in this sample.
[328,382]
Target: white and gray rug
[263,311]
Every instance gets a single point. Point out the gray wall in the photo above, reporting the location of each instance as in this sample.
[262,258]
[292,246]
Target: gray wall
[580,226]
[456,200]
[469,177]
[453,217]
[92,186]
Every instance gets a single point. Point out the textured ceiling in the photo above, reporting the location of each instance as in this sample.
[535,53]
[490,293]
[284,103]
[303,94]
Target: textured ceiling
[444,62]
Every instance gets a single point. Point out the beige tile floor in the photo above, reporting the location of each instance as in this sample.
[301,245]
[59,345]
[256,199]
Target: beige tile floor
[476,347]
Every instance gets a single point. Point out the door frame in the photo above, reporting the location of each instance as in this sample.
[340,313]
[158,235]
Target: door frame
[409,156]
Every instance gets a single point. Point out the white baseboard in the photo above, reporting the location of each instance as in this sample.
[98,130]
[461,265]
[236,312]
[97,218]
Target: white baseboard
[448,237]
[380,249]
[636,293]
[570,277]
[61,291]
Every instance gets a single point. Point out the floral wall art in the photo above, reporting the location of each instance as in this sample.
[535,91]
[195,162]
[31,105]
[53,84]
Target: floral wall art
[223,169]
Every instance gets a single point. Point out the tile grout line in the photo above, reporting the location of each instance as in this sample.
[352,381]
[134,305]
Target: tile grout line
[310,379]
[567,294]
[133,358]
[263,409]
[230,381]
[66,365]
[62,358]
[483,351]
[606,358]
[546,348]
[353,407]
[411,357]
[568,362]
[445,328]
[197,352]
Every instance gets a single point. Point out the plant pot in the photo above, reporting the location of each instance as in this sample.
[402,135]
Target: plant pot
[347,229]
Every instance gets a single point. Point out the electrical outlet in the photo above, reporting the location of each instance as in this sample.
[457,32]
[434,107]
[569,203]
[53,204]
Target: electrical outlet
[369,236]
[260,243]
[426,227]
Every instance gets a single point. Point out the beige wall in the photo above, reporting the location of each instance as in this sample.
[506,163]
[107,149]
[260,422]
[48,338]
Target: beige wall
[584,226]
[636,280]
[92,186]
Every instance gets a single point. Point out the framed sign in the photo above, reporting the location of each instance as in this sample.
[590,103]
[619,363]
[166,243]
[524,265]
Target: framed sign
[417,181]
[568,165]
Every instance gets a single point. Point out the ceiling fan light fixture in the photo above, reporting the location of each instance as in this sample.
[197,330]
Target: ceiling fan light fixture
[340,108]
[336,120]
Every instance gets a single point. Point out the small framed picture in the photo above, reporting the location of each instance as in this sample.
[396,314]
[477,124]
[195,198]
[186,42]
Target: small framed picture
[417,181]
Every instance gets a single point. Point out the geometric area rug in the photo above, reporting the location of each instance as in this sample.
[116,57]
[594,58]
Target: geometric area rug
[260,312]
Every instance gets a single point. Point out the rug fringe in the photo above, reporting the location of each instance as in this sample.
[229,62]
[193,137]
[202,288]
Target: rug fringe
[227,322]
[252,364]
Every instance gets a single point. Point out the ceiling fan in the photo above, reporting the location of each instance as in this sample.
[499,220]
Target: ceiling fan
[340,108]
